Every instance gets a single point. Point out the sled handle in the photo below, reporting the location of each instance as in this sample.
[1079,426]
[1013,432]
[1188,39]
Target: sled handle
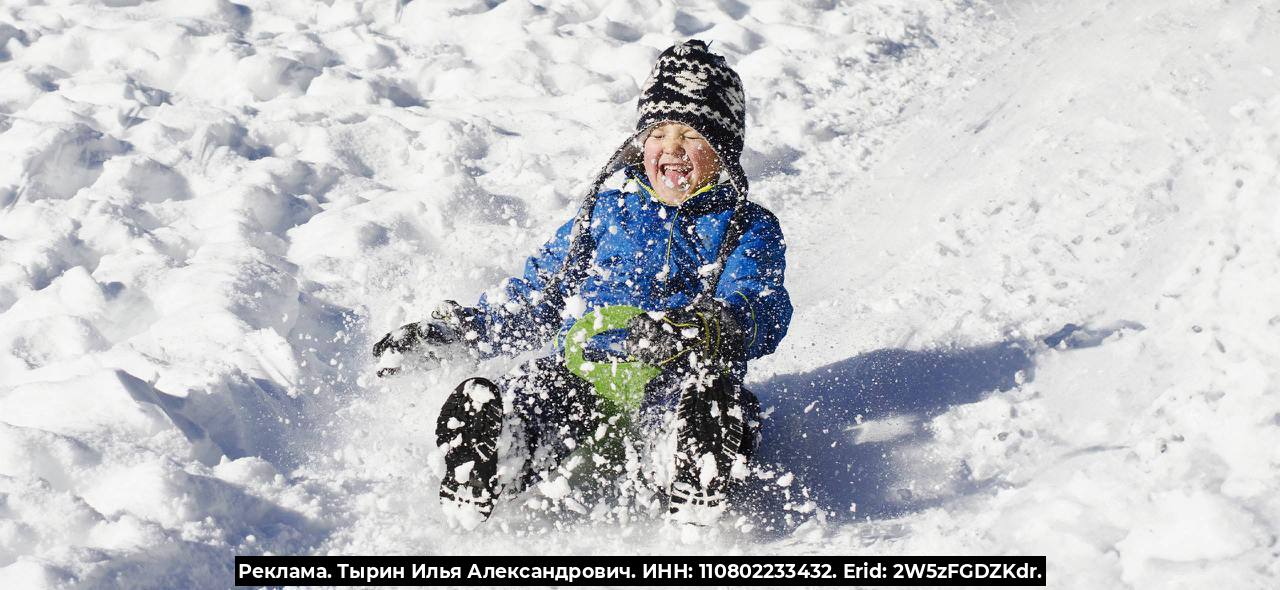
[620,383]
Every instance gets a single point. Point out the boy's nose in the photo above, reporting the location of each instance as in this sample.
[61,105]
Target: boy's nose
[671,144]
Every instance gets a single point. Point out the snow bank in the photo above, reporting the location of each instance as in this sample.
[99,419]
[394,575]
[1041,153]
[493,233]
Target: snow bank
[208,209]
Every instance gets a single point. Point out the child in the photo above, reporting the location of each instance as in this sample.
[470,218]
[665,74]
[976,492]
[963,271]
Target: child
[687,247]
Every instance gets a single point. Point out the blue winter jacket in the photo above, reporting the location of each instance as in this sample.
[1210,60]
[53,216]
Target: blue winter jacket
[648,255]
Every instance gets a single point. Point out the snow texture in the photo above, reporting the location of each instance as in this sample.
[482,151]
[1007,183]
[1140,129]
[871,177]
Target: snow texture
[210,210]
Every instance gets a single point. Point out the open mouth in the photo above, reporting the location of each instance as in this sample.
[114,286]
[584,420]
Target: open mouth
[676,174]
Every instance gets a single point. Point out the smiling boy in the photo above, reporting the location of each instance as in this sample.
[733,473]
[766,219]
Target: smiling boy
[679,162]
[686,246]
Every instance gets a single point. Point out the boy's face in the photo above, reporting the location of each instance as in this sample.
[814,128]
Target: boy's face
[678,161]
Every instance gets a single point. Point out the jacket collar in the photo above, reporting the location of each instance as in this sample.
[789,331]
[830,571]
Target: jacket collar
[718,198]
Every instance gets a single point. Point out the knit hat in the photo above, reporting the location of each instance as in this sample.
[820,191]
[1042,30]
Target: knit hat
[690,85]
[693,86]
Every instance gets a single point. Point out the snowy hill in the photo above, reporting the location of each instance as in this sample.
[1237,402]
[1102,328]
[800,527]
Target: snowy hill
[209,209]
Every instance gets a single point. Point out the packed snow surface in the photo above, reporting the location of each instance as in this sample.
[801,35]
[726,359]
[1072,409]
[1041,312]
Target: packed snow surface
[210,210]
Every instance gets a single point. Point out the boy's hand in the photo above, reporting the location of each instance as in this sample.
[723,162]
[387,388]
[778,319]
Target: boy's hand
[409,336]
[391,348]
[441,332]
[703,334]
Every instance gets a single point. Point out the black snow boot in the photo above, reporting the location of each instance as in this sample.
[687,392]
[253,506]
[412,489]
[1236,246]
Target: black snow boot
[715,433]
[469,425]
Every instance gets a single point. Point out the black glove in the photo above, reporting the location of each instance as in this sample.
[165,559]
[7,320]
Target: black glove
[446,328]
[702,335]
[409,336]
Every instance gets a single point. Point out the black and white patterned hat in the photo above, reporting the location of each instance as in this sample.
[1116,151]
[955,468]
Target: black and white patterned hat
[691,85]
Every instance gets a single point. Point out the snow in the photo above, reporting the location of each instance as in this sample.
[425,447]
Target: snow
[209,211]
[707,472]
[556,488]
[463,471]
[479,394]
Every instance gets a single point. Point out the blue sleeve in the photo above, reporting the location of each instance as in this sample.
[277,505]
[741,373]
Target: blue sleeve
[751,285]
[515,316]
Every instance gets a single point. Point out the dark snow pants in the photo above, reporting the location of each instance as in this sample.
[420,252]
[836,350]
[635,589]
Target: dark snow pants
[554,407]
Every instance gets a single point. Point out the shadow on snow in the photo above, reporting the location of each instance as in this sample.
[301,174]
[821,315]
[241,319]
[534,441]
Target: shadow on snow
[838,427]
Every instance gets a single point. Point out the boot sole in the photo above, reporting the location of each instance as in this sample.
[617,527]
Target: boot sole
[469,425]
[711,423]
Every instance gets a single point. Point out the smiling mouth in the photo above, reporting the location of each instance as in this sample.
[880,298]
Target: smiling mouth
[676,175]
